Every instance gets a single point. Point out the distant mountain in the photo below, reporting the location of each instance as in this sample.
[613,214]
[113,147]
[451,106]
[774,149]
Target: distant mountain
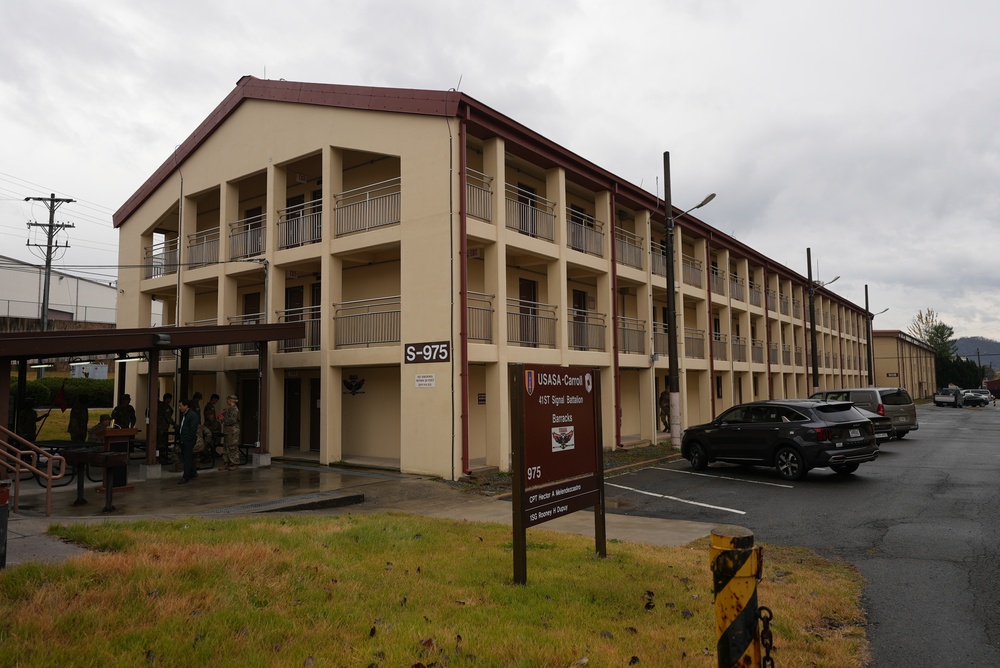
[979,349]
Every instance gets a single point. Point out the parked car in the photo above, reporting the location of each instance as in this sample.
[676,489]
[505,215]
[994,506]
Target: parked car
[949,396]
[792,435]
[884,431]
[977,397]
[893,402]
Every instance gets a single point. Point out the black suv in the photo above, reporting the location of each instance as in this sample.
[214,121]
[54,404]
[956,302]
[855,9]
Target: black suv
[792,435]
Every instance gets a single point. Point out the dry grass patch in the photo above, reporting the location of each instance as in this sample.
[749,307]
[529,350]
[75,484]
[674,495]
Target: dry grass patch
[398,590]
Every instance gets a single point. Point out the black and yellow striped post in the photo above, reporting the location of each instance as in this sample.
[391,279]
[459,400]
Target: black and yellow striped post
[736,569]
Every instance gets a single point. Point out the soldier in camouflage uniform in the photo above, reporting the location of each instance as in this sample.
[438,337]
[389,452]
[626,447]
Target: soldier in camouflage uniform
[230,418]
[78,418]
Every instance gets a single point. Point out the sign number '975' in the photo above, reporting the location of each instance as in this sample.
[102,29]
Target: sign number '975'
[436,351]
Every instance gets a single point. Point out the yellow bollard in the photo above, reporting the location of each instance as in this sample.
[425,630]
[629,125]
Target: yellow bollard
[736,569]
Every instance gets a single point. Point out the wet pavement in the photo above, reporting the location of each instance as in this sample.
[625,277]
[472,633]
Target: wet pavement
[290,486]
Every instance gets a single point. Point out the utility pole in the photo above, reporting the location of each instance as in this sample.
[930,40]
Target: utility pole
[52,203]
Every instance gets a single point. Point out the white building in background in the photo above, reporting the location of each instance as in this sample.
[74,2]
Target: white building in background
[71,298]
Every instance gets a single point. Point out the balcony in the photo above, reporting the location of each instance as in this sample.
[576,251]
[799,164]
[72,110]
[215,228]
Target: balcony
[719,346]
[796,308]
[586,330]
[368,207]
[756,351]
[479,195]
[717,281]
[366,322]
[772,300]
[246,237]
[480,317]
[305,314]
[160,259]
[203,248]
[756,297]
[300,224]
[786,354]
[772,353]
[631,335]
[694,343]
[531,324]
[584,233]
[691,272]
[737,288]
[658,252]
[738,345]
[661,341]
[530,214]
[203,351]
[248,348]
[798,355]
[629,248]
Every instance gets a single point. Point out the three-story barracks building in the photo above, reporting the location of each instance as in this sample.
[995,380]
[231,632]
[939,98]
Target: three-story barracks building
[428,242]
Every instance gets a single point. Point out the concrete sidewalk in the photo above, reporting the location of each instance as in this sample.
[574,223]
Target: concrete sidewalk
[290,486]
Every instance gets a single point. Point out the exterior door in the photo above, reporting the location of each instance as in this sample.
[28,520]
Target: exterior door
[579,325]
[528,294]
[293,414]
[249,396]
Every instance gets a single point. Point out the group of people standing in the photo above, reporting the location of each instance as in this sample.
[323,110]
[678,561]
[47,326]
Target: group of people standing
[194,434]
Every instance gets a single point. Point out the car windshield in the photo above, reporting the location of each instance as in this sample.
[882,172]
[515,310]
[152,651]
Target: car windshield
[898,397]
[839,412]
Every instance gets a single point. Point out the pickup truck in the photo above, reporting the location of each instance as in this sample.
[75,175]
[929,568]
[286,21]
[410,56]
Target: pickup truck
[948,396]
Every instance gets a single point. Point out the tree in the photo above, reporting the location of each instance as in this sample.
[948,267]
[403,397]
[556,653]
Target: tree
[939,337]
[927,327]
[922,323]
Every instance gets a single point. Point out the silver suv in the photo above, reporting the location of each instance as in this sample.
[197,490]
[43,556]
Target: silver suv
[892,402]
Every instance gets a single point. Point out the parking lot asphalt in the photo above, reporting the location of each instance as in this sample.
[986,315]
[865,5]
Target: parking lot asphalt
[290,486]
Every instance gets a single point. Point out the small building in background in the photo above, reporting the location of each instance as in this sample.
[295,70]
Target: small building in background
[902,360]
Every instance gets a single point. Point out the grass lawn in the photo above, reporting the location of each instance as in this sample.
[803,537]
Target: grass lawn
[399,590]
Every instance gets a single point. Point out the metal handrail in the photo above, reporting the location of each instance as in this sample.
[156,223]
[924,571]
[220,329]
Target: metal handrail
[23,457]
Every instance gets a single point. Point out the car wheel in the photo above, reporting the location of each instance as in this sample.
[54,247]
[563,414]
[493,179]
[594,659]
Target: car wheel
[844,469]
[789,464]
[698,457]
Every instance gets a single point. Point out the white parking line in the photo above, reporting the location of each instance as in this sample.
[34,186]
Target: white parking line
[674,498]
[724,477]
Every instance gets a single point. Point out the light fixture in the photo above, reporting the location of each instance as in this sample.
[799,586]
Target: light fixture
[79,362]
[42,366]
[122,360]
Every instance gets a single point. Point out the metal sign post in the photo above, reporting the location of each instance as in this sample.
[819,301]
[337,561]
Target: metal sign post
[557,451]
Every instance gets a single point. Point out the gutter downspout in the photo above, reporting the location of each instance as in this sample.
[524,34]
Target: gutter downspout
[463,303]
[614,322]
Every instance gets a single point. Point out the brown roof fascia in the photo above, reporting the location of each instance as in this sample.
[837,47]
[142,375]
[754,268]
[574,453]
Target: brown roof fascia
[41,345]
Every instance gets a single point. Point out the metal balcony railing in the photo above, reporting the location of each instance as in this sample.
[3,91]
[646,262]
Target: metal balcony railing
[530,214]
[310,316]
[366,322]
[691,272]
[772,353]
[772,300]
[629,248]
[585,233]
[694,343]
[160,259]
[798,355]
[783,304]
[756,297]
[203,351]
[368,207]
[586,330]
[246,237]
[631,335]
[531,324]
[658,254]
[737,288]
[203,248]
[661,342]
[717,280]
[250,347]
[719,346]
[756,351]
[738,345]
[479,195]
[300,224]
[786,354]
[480,317]
[796,308]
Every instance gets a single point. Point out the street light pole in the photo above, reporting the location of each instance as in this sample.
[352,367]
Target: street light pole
[673,373]
[871,351]
[812,318]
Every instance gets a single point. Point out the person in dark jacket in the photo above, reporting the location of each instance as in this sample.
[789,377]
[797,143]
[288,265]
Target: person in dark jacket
[187,436]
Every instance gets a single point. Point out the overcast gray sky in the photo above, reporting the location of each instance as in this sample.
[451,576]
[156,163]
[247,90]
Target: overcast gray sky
[864,129]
